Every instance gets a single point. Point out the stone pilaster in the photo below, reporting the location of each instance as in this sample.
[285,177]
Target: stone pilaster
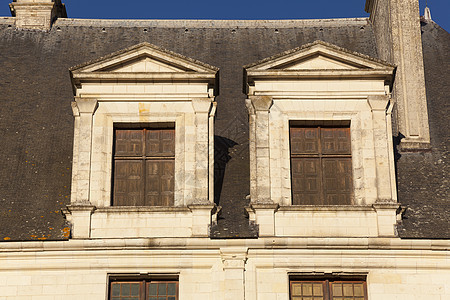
[379,105]
[259,148]
[37,14]
[202,107]
[212,114]
[234,260]
[83,113]
[397,30]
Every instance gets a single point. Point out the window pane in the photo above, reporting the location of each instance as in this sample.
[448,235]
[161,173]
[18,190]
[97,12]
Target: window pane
[171,289]
[318,290]
[126,287]
[358,289]
[337,289]
[135,289]
[348,289]
[307,290]
[296,289]
[115,289]
[162,289]
[152,289]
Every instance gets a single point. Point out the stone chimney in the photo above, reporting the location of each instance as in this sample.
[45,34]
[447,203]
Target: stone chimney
[37,14]
[398,34]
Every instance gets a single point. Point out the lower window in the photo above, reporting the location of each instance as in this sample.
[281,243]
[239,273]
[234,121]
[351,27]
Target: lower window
[328,290]
[144,289]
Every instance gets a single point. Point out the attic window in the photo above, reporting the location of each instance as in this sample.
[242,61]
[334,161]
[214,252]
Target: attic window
[144,164]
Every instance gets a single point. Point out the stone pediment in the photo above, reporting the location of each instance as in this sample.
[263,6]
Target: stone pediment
[143,62]
[319,59]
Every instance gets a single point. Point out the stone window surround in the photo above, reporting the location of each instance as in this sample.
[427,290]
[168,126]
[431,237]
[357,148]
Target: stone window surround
[375,200]
[106,95]
[361,96]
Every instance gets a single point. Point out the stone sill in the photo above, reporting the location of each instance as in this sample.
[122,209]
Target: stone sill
[131,209]
[326,208]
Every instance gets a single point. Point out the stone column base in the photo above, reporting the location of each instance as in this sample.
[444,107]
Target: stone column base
[201,219]
[264,216]
[80,218]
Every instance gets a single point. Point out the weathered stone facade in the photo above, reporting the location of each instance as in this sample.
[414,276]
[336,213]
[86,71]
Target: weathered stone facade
[230,90]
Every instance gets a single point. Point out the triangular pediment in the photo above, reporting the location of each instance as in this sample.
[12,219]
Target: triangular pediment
[143,58]
[318,56]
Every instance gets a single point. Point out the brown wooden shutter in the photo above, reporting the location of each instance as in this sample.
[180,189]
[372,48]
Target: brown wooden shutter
[129,143]
[306,181]
[337,174]
[128,183]
[144,165]
[321,167]
[160,183]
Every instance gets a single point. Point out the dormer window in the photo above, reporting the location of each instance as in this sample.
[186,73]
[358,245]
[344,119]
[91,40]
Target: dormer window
[321,150]
[143,146]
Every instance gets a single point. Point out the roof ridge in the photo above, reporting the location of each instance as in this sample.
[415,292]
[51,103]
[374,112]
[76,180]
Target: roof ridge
[202,23]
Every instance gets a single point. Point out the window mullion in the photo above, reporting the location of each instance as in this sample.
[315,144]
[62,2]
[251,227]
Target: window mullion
[143,293]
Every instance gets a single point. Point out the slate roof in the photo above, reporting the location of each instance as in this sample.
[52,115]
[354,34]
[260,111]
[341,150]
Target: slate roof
[423,178]
[37,125]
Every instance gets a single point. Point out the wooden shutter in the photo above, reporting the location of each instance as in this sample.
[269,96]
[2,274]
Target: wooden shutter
[160,183]
[321,167]
[337,176]
[306,181]
[144,165]
[129,143]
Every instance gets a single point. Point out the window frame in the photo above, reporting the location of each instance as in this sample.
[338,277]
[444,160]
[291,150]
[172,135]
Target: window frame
[144,158]
[144,281]
[327,285]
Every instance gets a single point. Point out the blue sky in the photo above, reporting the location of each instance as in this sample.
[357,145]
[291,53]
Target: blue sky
[229,9]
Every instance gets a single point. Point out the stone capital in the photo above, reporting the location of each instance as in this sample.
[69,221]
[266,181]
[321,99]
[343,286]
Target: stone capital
[202,105]
[378,102]
[234,257]
[250,107]
[261,103]
[86,105]
[212,112]
[75,110]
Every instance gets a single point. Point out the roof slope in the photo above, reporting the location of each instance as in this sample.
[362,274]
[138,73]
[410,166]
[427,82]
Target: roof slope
[423,178]
[37,123]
